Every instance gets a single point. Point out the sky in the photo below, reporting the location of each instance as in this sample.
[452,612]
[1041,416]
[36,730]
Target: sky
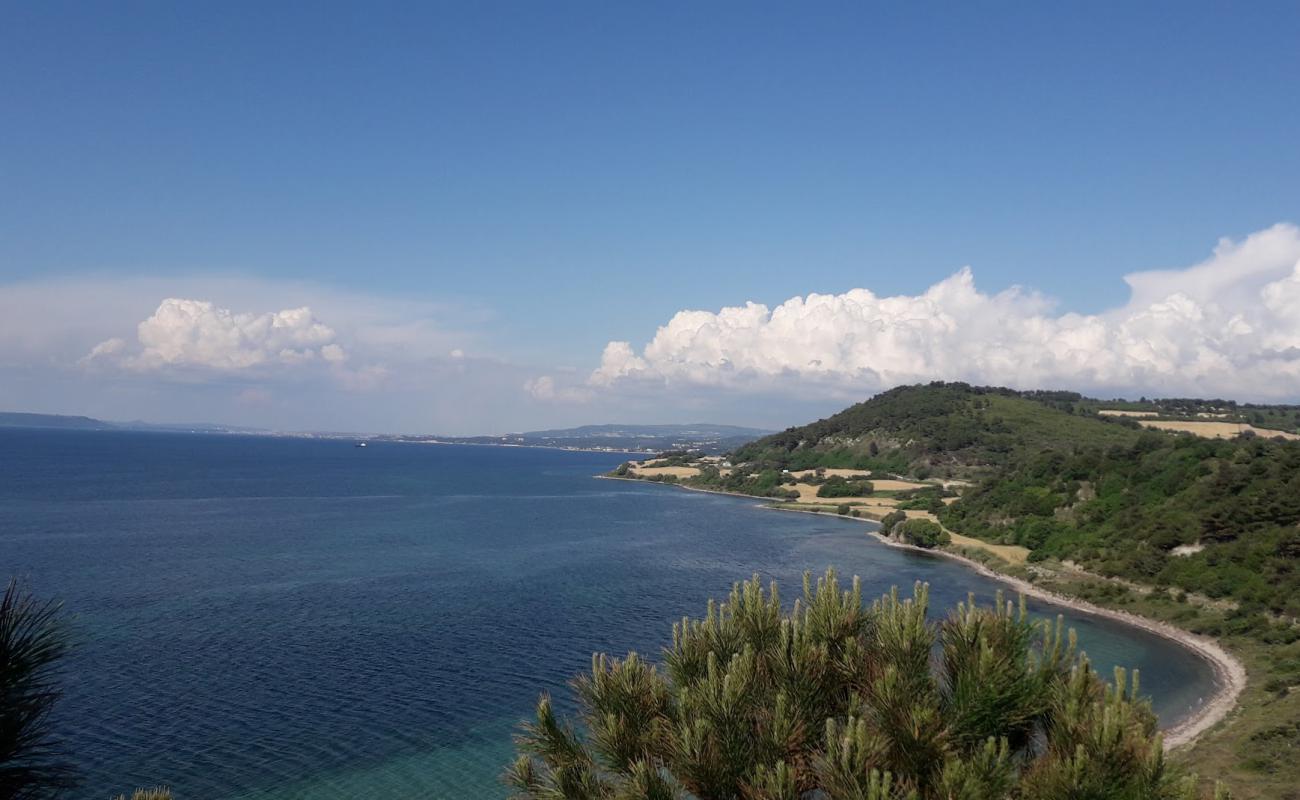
[488,217]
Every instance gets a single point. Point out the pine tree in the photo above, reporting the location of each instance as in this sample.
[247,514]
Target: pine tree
[843,701]
[32,641]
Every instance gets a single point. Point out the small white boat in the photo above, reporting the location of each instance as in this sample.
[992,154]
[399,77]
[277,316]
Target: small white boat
[361,444]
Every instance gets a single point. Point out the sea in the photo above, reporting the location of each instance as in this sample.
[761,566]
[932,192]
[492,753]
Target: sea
[290,618]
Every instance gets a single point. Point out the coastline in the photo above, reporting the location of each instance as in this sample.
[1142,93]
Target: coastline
[1229,672]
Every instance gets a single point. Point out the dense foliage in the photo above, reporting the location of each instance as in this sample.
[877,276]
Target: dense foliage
[842,701]
[32,641]
[921,532]
[836,486]
[914,429]
[1124,510]
[890,521]
[159,793]
[756,480]
[1209,516]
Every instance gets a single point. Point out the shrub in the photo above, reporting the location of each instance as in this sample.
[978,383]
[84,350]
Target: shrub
[922,533]
[890,520]
[844,702]
[837,486]
[33,641]
[159,793]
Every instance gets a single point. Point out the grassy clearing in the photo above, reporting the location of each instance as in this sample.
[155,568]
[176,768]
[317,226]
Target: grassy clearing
[1010,553]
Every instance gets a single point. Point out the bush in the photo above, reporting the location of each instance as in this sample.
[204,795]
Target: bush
[842,509]
[922,533]
[33,640]
[845,702]
[837,486]
[890,520]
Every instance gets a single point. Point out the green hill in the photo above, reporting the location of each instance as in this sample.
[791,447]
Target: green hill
[1216,517]
[1166,518]
[949,429]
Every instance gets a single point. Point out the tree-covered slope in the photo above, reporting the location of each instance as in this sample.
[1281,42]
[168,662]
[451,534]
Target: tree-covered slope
[949,427]
[1211,516]
[1217,517]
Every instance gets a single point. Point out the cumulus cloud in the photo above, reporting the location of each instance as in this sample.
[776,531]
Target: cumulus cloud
[199,334]
[397,362]
[547,390]
[1228,326]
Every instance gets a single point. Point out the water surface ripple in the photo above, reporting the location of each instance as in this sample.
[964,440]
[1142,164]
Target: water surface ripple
[290,618]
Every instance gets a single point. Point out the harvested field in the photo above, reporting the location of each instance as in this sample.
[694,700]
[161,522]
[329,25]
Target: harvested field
[680,472]
[1215,430]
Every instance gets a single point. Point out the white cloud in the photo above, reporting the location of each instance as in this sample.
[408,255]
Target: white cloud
[400,363]
[199,334]
[545,389]
[1227,326]
[109,348]
[333,354]
[56,321]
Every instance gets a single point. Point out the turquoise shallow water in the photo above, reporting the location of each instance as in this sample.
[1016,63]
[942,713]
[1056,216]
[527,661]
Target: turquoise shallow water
[289,618]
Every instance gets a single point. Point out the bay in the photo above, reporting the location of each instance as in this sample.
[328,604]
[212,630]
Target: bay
[276,618]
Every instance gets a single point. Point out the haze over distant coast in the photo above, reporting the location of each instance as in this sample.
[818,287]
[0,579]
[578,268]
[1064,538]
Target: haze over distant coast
[700,437]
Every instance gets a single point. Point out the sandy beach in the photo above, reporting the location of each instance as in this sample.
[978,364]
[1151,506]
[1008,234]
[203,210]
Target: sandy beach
[1229,673]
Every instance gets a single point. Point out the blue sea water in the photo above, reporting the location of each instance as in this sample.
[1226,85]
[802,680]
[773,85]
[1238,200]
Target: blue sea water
[292,618]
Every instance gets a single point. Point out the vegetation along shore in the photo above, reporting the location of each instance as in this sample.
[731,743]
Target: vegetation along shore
[1123,509]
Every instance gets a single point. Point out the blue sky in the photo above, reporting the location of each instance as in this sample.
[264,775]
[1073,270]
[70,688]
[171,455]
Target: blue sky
[526,182]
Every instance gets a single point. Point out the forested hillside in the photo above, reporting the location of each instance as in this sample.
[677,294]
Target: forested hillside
[1216,517]
[949,427]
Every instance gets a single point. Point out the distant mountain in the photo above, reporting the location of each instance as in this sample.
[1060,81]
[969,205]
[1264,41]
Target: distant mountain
[190,427]
[700,437]
[14,419]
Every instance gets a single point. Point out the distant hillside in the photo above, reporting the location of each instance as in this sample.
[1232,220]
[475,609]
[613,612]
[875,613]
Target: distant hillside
[940,428]
[13,419]
[1219,517]
[1055,473]
[700,438]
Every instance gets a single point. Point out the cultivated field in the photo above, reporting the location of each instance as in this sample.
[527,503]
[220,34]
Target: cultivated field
[679,472]
[1215,430]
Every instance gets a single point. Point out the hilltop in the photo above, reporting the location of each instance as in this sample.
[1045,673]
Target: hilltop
[950,429]
[1042,475]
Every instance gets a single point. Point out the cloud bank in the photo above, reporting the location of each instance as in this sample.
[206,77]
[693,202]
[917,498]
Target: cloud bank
[229,348]
[199,334]
[1227,326]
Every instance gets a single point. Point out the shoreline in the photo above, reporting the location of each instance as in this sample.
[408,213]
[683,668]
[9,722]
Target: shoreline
[1229,673]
